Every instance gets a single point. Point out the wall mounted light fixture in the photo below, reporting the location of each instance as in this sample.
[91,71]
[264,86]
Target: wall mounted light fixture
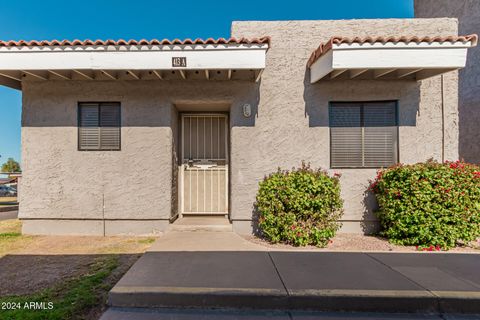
[247,110]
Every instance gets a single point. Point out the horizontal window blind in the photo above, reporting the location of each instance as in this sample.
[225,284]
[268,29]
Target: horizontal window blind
[346,135]
[109,126]
[99,126]
[363,134]
[88,128]
[380,134]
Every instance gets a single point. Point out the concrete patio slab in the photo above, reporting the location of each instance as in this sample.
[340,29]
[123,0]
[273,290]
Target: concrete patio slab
[179,241]
[202,223]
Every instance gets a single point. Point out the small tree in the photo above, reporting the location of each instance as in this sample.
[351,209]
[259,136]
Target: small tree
[11,166]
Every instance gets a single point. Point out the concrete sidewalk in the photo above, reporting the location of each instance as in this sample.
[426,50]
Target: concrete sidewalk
[241,275]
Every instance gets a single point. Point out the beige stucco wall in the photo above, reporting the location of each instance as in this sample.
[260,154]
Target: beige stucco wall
[134,189]
[292,120]
[468,14]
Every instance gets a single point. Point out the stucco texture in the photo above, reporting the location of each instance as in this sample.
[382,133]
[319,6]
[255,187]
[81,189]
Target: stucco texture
[289,123]
[136,183]
[468,14]
[292,120]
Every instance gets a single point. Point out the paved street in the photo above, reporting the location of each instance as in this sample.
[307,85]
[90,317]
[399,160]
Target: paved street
[176,314]
[8,215]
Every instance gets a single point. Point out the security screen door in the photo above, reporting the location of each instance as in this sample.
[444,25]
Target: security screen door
[204,170]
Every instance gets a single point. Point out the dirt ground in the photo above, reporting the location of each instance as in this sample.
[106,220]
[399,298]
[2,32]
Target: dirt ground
[32,263]
[359,242]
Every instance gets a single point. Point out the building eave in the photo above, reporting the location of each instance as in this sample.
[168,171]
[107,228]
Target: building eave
[404,58]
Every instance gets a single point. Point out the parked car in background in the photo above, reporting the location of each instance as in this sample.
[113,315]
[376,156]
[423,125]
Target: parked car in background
[6,191]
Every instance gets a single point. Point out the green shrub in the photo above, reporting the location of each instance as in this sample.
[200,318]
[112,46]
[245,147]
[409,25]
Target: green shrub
[429,204]
[299,207]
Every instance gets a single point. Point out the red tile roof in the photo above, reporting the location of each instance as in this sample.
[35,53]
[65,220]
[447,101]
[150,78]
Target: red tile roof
[121,42]
[325,47]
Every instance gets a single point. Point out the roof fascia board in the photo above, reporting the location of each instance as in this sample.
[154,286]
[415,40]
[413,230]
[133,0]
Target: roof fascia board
[399,58]
[132,60]
[321,67]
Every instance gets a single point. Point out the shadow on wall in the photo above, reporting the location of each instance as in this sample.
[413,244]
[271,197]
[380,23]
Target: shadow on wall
[469,109]
[317,97]
[231,101]
[251,97]
[255,221]
[369,224]
[144,104]
[238,119]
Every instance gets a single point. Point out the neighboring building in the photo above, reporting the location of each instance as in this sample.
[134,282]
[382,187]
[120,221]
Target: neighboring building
[468,14]
[122,137]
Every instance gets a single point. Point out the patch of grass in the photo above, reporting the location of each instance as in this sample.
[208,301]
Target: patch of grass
[10,235]
[71,299]
[146,241]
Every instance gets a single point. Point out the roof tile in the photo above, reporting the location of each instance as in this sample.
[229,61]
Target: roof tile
[121,42]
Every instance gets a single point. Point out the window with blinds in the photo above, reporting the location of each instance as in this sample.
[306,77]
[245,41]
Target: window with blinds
[363,134]
[99,126]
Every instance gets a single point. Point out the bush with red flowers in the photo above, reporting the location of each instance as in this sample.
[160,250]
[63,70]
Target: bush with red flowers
[429,204]
[299,207]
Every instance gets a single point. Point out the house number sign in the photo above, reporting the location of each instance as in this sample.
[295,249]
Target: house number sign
[179,62]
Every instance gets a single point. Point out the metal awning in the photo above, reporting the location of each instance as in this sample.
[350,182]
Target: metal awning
[211,59]
[386,58]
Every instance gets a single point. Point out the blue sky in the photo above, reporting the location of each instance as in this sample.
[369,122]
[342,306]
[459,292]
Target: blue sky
[139,19]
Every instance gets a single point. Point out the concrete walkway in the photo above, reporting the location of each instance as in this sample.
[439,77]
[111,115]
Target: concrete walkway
[222,270]
[177,241]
